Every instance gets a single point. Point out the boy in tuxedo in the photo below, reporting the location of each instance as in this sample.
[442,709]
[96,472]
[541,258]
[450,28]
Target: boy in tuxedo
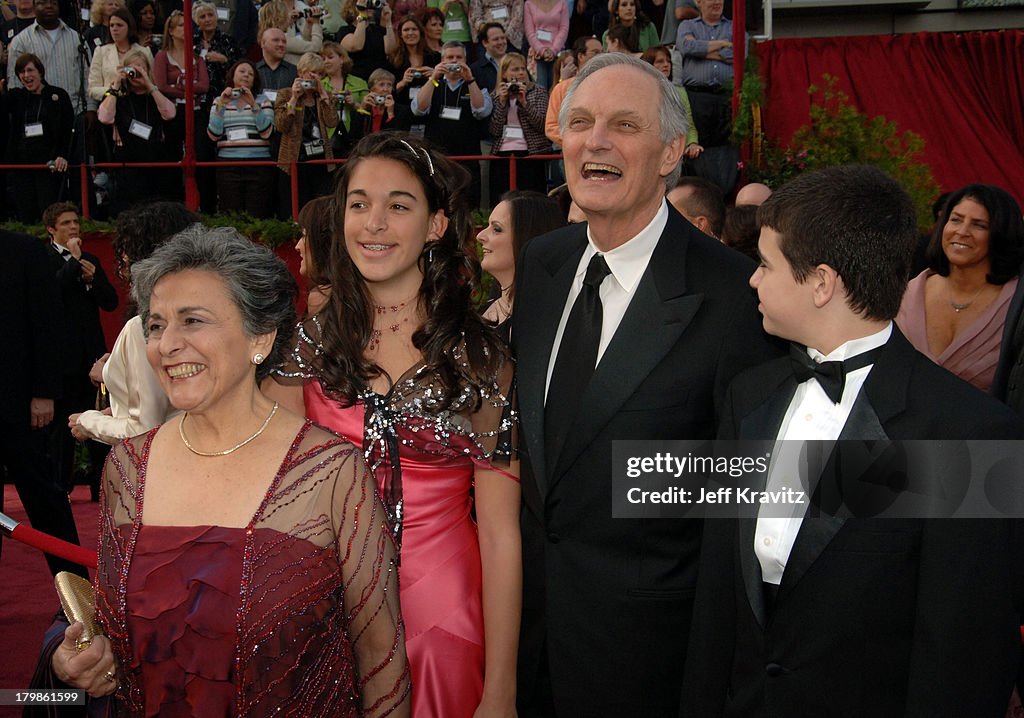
[828,615]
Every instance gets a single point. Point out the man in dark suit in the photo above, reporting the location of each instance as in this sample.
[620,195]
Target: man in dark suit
[85,290]
[824,614]
[30,317]
[663,313]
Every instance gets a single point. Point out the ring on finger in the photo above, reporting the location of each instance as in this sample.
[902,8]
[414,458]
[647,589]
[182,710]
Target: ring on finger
[110,676]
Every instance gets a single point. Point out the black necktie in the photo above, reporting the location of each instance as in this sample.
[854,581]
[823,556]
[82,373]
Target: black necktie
[831,375]
[577,357]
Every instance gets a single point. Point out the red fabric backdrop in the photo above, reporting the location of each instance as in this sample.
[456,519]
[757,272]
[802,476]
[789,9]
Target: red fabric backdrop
[963,93]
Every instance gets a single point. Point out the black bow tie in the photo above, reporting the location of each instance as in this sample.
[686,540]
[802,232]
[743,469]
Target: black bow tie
[831,375]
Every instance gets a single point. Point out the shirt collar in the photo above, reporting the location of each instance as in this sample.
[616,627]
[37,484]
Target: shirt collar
[853,347]
[60,26]
[628,261]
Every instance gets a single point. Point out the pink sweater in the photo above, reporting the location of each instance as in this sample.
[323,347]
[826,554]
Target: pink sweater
[555,21]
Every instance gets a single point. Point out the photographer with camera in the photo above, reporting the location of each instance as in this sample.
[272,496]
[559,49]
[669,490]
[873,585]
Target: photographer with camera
[300,24]
[379,111]
[144,13]
[108,59]
[303,114]
[412,61]
[370,36]
[138,112]
[452,103]
[517,126]
[39,119]
[348,90]
[241,122]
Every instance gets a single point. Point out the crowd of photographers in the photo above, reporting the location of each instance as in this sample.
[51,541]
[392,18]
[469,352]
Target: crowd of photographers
[289,82]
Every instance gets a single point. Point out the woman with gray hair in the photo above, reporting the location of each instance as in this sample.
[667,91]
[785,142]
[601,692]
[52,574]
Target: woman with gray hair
[245,563]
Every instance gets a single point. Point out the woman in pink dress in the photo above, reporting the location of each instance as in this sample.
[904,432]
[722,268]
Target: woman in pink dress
[954,311]
[398,362]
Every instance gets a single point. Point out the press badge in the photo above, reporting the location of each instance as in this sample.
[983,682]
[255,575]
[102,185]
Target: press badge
[223,13]
[513,133]
[545,35]
[313,148]
[140,129]
[271,95]
[34,129]
[499,13]
[202,53]
[451,113]
[237,134]
[453,26]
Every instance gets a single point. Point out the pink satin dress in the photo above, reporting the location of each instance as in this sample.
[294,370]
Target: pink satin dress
[439,576]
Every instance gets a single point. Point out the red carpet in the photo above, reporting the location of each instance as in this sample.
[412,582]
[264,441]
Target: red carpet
[28,601]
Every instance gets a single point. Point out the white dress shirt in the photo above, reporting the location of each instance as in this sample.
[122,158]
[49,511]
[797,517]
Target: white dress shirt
[811,416]
[627,263]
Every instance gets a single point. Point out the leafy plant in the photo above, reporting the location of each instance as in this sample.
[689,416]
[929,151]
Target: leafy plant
[839,134]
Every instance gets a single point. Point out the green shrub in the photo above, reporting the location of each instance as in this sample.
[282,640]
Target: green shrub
[839,134]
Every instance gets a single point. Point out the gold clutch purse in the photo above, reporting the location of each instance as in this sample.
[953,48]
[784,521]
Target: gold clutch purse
[79,604]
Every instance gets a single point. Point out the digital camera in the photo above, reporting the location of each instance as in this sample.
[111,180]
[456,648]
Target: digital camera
[453,67]
[130,72]
[380,99]
[236,93]
[514,88]
[417,74]
[307,84]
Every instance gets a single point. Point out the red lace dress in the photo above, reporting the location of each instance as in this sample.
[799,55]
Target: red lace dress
[295,614]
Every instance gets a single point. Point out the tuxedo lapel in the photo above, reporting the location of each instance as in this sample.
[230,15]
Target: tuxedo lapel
[657,315]
[543,301]
[750,567]
[765,420]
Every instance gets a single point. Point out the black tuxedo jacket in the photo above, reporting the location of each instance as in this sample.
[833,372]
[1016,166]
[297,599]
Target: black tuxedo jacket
[884,617]
[610,599]
[1009,355]
[30,317]
[83,339]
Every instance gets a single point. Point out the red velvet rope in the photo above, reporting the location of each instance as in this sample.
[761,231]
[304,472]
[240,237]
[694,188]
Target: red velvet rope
[48,544]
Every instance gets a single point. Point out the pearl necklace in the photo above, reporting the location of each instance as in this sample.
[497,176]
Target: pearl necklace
[236,447]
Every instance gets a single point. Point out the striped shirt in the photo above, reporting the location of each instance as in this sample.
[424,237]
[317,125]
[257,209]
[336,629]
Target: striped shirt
[692,42]
[59,56]
[239,130]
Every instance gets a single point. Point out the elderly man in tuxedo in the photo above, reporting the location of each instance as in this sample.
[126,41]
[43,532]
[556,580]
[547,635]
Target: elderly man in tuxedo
[629,327]
[826,614]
